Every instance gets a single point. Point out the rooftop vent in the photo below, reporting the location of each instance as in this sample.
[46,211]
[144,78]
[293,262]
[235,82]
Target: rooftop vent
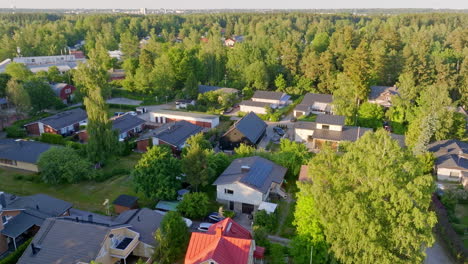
[35,249]
[245,168]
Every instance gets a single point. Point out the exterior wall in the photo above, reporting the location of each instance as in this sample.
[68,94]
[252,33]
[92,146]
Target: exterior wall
[143,250]
[120,209]
[66,92]
[443,174]
[33,129]
[48,129]
[242,194]
[143,145]
[199,121]
[23,166]
[3,239]
[301,135]
[299,113]
[255,109]
[332,127]
[270,101]
[234,138]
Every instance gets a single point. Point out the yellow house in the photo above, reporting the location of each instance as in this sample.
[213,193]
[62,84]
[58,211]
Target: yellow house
[21,154]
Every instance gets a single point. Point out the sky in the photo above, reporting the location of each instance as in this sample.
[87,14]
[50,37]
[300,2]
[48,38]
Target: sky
[235,4]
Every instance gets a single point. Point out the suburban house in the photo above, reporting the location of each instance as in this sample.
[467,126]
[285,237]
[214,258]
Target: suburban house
[116,74]
[75,240]
[313,103]
[327,128]
[184,103]
[21,154]
[171,134]
[261,99]
[64,123]
[127,126]
[22,217]
[63,91]
[247,183]
[3,103]
[124,203]
[115,54]
[249,130]
[225,242]
[382,95]
[167,116]
[229,42]
[452,160]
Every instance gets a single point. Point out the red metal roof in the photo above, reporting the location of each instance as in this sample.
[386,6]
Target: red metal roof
[225,242]
[230,229]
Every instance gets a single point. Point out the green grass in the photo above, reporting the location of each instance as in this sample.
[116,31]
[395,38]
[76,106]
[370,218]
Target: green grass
[85,195]
[285,219]
[307,118]
[461,213]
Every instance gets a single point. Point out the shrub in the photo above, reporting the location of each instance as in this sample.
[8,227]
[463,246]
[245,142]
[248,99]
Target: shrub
[14,256]
[265,220]
[194,205]
[62,165]
[15,132]
[260,235]
[277,254]
[52,139]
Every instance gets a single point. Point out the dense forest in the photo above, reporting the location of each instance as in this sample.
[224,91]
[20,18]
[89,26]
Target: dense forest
[425,55]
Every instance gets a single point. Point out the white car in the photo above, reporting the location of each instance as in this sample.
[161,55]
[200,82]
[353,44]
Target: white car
[133,113]
[187,221]
[204,227]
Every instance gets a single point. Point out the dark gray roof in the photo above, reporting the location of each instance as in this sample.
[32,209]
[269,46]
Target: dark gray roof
[306,125]
[330,120]
[65,241]
[125,123]
[3,100]
[177,133]
[125,200]
[42,203]
[399,138]
[376,91]
[65,118]
[268,95]
[302,107]
[450,153]
[310,98]
[21,150]
[349,133]
[251,126]
[261,175]
[144,221]
[57,87]
[254,103]
[21,223]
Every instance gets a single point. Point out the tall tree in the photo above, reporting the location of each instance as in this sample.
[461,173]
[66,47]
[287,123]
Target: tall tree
[102,139]
[373,201]
[196,167]
[18,96]
[172,231]
[156,174]
[129,44]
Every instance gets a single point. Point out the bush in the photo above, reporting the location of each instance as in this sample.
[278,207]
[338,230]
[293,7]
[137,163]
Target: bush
[62,165]
[52,139]
[265,220]
[194,205]
[260,235]
[14,256]
[277,253]
[15,132]
[229,214]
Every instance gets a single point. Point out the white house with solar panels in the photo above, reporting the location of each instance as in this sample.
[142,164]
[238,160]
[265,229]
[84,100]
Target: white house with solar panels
[248,182]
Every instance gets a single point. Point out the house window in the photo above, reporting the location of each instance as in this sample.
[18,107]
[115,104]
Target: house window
[231,205]
[67,91]
[454,174]
[7,161]
[326,127]
[227,191]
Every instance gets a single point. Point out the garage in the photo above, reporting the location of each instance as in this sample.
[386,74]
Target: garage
[247,208]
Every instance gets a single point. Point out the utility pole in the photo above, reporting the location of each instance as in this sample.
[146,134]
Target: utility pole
[311,253]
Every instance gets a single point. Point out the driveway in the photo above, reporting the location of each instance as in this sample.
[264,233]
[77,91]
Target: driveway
[123,101]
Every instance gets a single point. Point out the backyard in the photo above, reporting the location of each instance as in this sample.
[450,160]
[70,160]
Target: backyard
[88,195]
[461,227]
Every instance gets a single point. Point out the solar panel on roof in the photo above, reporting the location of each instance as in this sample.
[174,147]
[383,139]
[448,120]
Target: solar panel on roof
[258,173]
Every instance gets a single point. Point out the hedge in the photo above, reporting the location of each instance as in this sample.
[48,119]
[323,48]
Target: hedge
[123,106]
[447,233]
[14,256]
[52,139]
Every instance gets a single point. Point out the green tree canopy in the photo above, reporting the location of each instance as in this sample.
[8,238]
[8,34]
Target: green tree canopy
[172,238]
[194,205]
[370,115]
[63,165]
[156,174]
[373,201]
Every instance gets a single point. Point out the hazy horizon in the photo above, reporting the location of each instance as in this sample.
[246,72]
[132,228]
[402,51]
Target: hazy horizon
[240,4]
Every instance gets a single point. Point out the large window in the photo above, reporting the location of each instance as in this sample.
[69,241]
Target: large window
[327,127]
[227,191]
[7,161]
[454,174]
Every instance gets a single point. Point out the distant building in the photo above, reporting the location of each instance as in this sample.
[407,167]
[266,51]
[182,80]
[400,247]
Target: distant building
[127,126]
[115,54]
[143,11]
[116,74]
[249,130]
[263,99]
[315,104]
[36,64]
[382,95]
[184,103]
[63,123]
[229,42]
[21,154]
[167,116]
[124,203]
[63,91]
[452,160]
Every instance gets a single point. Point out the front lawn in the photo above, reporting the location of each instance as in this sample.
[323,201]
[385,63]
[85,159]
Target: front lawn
[307,118]
[85,195]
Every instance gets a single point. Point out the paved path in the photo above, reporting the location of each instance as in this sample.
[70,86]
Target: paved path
[123,101]
[438,255]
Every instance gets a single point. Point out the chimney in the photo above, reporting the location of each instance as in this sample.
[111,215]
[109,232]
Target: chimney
[245,168]
[35,249]
[90,218]
[37,207]
[219,230]
[138,218]
[77,219]
[2,200]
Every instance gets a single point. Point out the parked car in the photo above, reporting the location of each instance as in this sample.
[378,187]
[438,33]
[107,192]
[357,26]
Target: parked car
[203,227]
[279,131]
[119,113]
[133,113]
[227,111]
[215,217]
